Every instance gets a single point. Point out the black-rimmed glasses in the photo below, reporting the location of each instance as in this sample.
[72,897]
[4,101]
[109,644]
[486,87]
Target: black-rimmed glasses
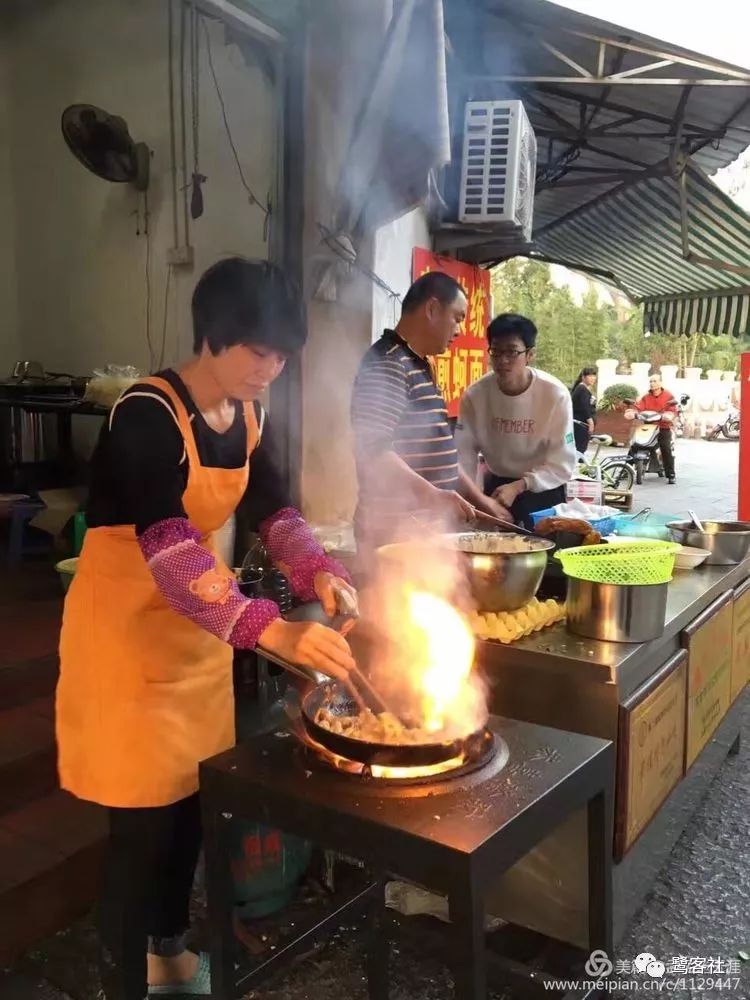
[509,355]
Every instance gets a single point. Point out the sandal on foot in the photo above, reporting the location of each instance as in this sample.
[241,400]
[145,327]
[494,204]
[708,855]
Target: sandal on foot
[198,986]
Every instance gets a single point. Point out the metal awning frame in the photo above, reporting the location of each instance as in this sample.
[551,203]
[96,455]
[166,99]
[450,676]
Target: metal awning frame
[719,75]
[577,129]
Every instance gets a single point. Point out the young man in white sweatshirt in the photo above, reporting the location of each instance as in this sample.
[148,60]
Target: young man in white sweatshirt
[520,420]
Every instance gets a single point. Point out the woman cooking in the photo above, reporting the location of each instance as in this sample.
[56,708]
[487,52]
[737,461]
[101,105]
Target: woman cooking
[584,408]
[152,617]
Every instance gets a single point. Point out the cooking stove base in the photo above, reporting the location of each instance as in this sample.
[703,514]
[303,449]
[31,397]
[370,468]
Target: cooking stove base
[455,836]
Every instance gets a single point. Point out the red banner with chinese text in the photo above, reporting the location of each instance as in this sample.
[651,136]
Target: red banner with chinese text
[466,360]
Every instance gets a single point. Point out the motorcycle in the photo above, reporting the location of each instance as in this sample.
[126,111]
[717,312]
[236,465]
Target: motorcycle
[729,426]
[644,443]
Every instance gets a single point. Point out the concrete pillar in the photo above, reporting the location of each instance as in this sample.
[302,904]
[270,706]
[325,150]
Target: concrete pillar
[606,374]
[639,372]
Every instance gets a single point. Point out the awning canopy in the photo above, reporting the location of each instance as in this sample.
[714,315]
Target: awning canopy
[678,245]
[620,118]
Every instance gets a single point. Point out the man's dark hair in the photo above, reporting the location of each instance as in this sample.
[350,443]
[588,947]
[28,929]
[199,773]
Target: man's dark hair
[240,301]
[512,325]
[433,285]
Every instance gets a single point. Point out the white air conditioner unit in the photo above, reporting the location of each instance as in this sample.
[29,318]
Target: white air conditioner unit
[498,167]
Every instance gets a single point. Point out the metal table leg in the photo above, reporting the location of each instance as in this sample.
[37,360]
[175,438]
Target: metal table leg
[600,872]
[220,893]
[469,958]
[378,945]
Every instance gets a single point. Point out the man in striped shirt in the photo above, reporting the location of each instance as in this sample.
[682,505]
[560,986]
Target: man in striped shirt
[407,462]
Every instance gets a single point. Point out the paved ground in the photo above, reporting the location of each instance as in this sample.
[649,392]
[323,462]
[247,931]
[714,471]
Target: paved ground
[706,481]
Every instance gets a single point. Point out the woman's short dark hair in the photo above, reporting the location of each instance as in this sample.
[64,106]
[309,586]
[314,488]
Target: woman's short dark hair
[512,325]
[433,285]
[240,301]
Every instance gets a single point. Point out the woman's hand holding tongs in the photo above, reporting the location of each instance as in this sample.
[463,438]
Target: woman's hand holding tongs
[310,645]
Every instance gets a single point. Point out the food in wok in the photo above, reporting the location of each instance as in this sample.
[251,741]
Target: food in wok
[371,728]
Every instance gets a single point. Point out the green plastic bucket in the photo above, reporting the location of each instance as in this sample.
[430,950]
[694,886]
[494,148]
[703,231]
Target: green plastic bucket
[267,866]
[66,571]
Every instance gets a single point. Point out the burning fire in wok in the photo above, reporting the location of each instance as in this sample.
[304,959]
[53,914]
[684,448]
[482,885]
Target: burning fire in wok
[426,665]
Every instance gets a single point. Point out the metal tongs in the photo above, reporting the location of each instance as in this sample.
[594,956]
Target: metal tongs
[347,607]
[357,684]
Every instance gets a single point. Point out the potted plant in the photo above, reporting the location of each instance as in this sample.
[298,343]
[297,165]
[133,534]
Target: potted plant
[610,410]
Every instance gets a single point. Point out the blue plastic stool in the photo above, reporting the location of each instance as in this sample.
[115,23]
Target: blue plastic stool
[21,513]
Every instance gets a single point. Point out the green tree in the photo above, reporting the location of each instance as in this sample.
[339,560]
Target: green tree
[573,335]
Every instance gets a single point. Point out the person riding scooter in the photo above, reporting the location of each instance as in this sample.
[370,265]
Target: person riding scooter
[659,408]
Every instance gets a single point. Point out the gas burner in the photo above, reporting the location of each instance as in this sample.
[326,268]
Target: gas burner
[477,753]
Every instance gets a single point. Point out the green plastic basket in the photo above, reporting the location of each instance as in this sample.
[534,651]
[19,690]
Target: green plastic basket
[632,564]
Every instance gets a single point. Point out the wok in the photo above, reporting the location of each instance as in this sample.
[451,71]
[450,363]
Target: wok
[331,696]
[338,700]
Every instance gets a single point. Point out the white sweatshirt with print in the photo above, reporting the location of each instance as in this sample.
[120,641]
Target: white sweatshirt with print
[521,437]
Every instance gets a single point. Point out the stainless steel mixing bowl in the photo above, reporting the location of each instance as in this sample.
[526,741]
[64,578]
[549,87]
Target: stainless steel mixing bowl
[502,581]
[727,541]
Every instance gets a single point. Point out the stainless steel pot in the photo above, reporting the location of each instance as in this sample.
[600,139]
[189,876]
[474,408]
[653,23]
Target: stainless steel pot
[615,612]
[727,541]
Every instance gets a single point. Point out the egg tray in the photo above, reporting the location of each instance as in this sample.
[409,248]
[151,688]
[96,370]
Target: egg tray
[509,626]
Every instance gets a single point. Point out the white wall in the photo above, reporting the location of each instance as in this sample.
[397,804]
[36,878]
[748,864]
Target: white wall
[80,265]
[392,262]
[8,291]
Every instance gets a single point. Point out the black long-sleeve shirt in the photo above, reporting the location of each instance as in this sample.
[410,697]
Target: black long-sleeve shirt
[139,468]
[584,404]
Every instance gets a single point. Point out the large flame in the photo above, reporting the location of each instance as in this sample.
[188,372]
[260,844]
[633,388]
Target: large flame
[425,663]
[442,648]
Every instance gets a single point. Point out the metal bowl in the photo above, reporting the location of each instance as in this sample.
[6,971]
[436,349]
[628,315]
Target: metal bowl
[501,581]
[727,541]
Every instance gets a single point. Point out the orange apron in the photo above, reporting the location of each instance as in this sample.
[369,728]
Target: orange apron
[144,693]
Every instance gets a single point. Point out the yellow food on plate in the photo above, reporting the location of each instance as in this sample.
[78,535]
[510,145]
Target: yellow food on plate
[509,626]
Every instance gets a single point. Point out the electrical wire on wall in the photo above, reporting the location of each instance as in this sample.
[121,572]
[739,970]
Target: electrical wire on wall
[198,179]
[172,136]
[147,235]
[185,12]
[343,248]
[251,197]
[163,349]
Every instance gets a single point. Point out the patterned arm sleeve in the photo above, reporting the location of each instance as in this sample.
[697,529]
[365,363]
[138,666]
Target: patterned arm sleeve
[188,578]
[292,546]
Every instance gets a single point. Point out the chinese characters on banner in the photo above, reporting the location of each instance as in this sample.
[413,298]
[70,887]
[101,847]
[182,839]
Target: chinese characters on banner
[466,359]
